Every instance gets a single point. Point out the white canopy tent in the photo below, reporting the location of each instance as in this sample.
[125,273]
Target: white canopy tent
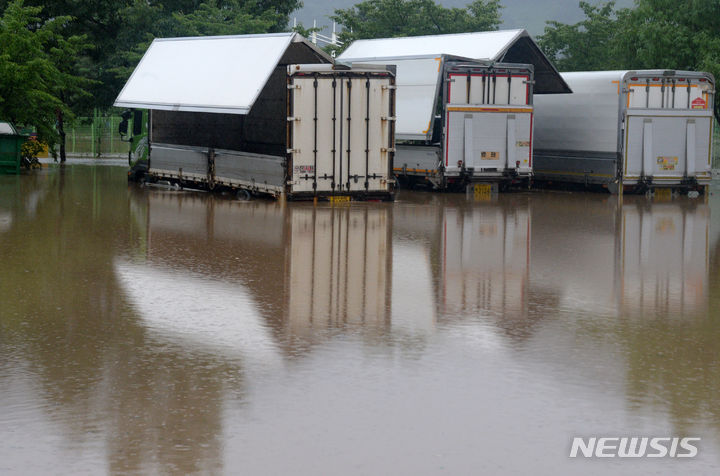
[219,74]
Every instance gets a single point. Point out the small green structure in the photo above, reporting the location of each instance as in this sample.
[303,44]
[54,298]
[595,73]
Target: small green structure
[10,143]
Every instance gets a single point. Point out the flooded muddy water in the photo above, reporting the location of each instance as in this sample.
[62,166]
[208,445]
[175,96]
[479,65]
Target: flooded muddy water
[159,331]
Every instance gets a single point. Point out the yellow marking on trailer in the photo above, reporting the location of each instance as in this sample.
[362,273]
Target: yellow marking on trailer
[487,109]
[618,85]
[712,124]
[439,60]
[423,171]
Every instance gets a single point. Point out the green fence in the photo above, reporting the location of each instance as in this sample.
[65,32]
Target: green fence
[95,136]
[716,148]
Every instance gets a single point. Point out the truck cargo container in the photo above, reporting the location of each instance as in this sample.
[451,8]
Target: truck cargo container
[628,130]
[464,104]
[264,114]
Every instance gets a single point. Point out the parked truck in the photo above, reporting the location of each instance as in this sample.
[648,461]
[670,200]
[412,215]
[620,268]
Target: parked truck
[631,131]
[263,114]
[464,105]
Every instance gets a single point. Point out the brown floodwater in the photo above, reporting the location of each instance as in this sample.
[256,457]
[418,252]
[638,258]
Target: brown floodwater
[152,331]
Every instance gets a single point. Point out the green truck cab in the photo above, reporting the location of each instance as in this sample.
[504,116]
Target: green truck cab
[133,129]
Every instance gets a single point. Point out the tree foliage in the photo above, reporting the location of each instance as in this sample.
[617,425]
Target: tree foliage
[655,34]
[393,18]
[587,45]
[37,79]
[63,56]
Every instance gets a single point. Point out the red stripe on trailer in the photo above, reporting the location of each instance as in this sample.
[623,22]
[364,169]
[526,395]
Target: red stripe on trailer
[447,137]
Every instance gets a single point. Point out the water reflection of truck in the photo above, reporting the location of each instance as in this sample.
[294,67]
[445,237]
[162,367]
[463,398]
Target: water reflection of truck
[293,269]
[633,259]
[266,114]
[485,259]
[628,130]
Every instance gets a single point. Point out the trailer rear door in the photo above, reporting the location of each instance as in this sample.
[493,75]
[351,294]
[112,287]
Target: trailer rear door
[668,128]
[340,131]
[489,120]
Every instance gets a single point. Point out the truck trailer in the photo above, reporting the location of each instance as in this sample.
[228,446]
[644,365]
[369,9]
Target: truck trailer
[631,131]
[464,104]
[262,114]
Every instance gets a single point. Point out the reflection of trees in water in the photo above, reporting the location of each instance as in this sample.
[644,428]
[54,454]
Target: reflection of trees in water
[154,405]
[659,288]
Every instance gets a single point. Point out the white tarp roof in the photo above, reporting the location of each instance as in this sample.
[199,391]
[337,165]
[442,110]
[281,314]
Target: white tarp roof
[505,46]
[488,45]
[417,80]
[223,74]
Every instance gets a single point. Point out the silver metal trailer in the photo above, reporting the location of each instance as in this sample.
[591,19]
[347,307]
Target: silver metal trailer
[628,130]
[265,124]
[461,121]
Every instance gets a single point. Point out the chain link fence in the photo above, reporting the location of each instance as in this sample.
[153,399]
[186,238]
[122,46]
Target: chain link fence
[95,137]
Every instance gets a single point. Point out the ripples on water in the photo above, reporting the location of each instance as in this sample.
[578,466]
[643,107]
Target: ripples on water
[146,331]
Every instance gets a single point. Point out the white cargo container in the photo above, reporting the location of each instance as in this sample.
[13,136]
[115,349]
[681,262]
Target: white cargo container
[462,120]
[628,130]
[268,114]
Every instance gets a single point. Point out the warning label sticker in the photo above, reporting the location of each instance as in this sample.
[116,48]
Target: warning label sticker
[667,163]
[304,169]
[489,155]
[699,103]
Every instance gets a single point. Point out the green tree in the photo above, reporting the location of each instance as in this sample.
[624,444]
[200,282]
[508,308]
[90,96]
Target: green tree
[36,81]
[588,45]
[393,18]
[662,34]
[673,34]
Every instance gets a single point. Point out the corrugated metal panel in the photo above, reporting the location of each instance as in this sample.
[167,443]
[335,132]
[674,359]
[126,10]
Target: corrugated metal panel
[223,74]
[489,45]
